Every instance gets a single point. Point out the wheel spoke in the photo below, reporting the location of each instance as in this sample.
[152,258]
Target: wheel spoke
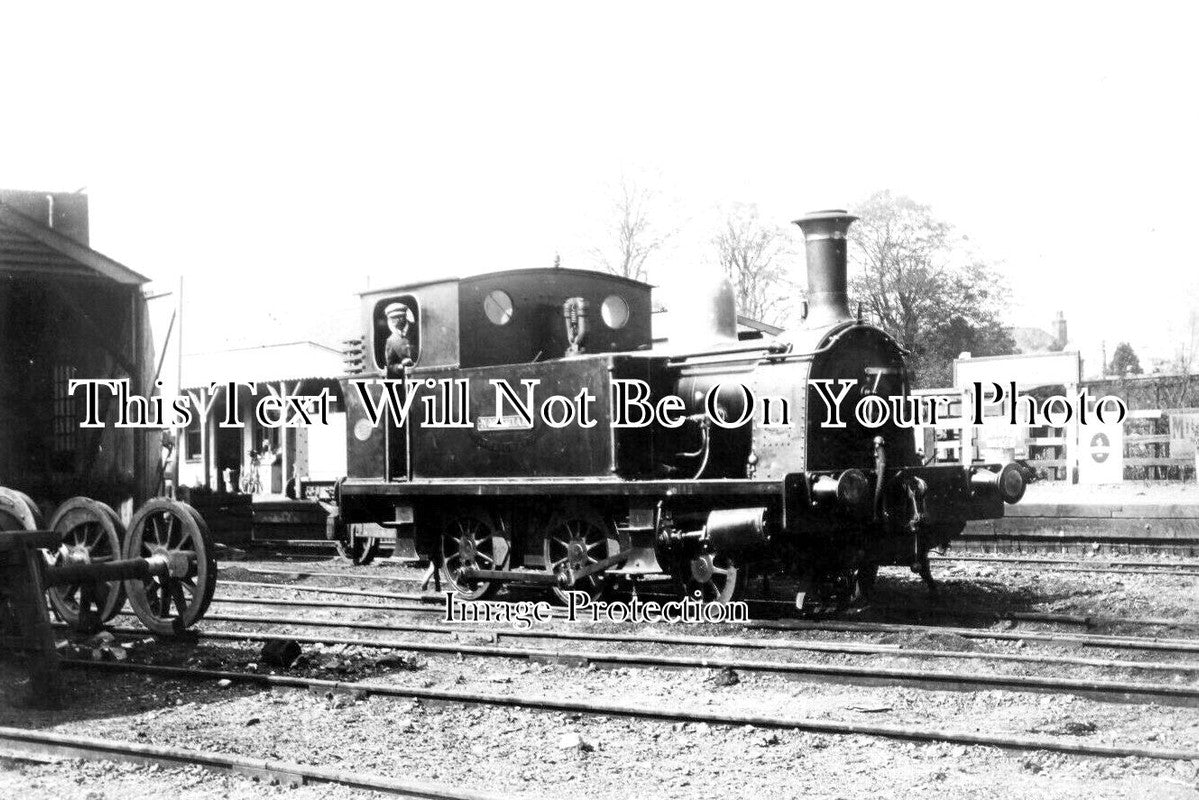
[164,600]
[179,598]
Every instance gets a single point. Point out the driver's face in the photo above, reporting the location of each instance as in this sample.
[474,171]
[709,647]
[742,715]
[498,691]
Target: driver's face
[397,323]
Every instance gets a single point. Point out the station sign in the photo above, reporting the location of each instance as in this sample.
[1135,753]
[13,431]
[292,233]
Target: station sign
[1101,453]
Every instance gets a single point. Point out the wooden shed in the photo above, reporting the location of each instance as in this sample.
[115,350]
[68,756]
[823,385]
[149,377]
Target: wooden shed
[68,312]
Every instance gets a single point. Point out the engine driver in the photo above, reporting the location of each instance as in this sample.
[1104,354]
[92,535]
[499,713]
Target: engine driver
[400,351]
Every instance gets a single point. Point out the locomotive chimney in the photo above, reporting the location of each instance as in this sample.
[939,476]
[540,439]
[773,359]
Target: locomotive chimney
[828,298]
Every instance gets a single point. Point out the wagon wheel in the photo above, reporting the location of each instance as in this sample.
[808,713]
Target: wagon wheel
[91,533]
[715,578]
[18,512]
[168,604]
[473,539]
[361,550]
[576,538]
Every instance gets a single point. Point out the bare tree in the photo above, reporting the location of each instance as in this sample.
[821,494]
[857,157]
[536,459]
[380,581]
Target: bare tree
[632,237]
[937,300]
[1183,363]
[755,257]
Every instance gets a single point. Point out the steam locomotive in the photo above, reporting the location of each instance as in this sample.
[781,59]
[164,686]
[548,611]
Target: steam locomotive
[499,499]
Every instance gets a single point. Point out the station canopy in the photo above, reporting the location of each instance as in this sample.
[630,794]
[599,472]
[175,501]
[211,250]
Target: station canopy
[291,361]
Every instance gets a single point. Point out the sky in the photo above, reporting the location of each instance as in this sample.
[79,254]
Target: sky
[283,156]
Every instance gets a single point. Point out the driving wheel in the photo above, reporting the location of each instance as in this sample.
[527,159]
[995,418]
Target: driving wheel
[472,540]
[577,538]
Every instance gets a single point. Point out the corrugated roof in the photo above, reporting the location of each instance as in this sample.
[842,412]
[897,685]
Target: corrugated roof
[291,361]
[27,246]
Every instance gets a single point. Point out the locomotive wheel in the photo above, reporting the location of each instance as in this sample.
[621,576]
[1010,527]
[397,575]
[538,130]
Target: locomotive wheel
[91,533]
[18,512]
[472,539]
[165,604]
[361,550]
[576,538]
[713,578]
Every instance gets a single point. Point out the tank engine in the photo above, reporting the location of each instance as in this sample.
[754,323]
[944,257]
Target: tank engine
[501,499]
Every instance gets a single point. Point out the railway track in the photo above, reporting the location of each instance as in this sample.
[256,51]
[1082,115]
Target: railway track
[1013,618]
[415,596]
[1085,640]
[362,573]
[420,603]
[1178,569]
[1105,690]
[49,747]
[660,713]
[734,643]
[432,604]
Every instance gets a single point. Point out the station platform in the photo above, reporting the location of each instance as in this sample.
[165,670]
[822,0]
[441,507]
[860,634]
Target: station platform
[1142,515]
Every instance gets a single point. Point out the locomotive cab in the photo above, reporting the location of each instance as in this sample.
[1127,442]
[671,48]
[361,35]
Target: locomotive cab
[468,328]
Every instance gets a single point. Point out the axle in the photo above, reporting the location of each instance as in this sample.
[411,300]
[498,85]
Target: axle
[77,573]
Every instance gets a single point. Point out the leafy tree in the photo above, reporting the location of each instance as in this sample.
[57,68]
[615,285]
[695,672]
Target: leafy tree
[915,282]
[1124,361]
[755,258]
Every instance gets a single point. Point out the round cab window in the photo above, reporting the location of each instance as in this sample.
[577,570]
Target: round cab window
[498,306]
[615,312]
